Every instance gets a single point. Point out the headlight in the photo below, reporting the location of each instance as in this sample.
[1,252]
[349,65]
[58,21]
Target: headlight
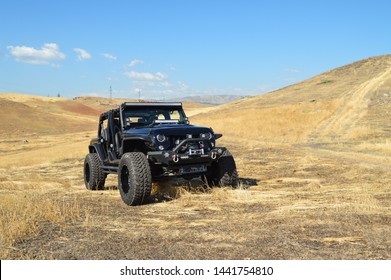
[206,135]
[161,138]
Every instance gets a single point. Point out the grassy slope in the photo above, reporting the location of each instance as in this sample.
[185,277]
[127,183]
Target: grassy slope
[53,117]
[352,103]
[304,202]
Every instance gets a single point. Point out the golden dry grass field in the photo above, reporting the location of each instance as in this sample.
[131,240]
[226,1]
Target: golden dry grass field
[314,161]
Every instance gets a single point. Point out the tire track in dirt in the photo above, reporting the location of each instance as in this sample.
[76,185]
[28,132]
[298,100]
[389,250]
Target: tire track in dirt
[353,108]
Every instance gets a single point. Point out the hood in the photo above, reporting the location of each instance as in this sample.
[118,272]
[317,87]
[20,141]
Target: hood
[178,130]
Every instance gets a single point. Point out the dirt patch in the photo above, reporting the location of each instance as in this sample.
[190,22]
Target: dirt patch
[78,108]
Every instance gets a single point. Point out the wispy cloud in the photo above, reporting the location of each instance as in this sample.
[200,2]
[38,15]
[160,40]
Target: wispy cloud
[145,76]
[109,56]
[46,55]
[82,54]
[135,62]
[182,86]
[290,70]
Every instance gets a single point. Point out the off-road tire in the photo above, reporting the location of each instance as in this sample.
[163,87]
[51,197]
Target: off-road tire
[134,178]
[94,178]
[222,172]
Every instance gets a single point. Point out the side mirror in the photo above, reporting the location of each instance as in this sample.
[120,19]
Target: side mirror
[218,135]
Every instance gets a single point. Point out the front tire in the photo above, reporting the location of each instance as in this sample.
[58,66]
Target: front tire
[134,178]
[223,172]
[94,178]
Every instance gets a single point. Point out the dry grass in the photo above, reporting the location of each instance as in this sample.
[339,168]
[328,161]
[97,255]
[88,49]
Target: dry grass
[303,200]
[34,188]
[313,161]
[27,214]
[42,149]
[382,147]
[283,124]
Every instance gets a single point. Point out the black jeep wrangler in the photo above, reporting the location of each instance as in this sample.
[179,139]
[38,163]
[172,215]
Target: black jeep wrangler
[144,142]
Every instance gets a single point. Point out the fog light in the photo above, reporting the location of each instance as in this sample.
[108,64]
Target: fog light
[161,147]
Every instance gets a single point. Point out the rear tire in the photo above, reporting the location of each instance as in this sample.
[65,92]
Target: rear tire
[94,178]
[222,172]
[134,178]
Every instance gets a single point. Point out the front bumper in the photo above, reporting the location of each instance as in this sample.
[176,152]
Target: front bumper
[172,158]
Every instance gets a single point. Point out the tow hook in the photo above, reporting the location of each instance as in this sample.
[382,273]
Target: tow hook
[213,155]
[175,158]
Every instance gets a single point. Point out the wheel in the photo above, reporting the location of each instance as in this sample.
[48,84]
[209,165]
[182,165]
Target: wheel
[94,178]
[134,178]
[222,172]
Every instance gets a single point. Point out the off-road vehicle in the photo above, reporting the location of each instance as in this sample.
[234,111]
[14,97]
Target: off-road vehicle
[143,142]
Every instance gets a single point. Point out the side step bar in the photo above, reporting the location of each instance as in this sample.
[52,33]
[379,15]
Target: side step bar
[109,169]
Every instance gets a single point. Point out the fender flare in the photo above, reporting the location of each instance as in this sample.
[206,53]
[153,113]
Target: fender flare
[97,148]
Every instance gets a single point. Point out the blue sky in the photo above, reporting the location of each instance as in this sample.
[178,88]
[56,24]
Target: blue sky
[177,48]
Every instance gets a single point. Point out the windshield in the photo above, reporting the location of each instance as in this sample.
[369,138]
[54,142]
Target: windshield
[144,116]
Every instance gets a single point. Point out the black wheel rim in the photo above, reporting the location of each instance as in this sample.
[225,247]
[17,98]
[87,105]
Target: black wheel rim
[125,179]
[87,174]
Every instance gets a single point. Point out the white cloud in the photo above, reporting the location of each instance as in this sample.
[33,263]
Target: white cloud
[48,53]
[109,56]
[183,86]
[135,62]
[161,76]
[82,54]
[145,76]
[290,70]
[165,84]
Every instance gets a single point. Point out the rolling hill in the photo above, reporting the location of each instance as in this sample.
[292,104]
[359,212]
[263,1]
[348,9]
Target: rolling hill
[24,114]
[352,103]
[349,103]
[28,114]
[313,160]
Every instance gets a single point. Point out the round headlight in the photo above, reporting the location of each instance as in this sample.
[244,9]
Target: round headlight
[160,138]
[206,135]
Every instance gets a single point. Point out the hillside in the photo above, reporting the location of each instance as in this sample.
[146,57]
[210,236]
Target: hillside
[101,104]
[352,103]
[28,114]
[313,162]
